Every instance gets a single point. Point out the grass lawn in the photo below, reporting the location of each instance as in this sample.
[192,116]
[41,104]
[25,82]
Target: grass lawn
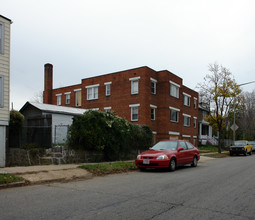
[109,168]
[212,151]
[8,178]
[217,155]
[207,149]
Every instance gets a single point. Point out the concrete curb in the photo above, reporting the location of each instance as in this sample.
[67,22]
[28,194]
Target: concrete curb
[15,184]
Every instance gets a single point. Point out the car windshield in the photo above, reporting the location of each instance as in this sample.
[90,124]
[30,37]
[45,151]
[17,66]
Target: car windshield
[165,145]
[240,143]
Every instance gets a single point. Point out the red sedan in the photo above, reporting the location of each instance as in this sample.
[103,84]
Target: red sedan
[168,154]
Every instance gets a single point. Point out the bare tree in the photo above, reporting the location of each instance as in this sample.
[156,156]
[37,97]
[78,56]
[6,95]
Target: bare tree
[220,89]
[246,116]
[38,97]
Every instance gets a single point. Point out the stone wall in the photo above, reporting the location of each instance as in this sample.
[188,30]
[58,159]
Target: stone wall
[55,155]
[21,157]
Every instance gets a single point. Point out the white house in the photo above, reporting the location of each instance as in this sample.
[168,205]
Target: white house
[5,29]
[204,129]
[45,116]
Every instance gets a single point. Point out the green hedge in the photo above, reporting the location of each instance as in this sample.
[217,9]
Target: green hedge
[110,134]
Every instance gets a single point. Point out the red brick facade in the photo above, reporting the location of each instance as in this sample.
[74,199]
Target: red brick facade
[121,100]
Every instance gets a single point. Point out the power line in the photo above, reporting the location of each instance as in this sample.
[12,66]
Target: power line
[242,84]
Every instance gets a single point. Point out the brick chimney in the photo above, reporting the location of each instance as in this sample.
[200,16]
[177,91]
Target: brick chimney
[48,83]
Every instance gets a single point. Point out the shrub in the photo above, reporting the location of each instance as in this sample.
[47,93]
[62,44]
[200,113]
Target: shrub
[16,120]
[103,131]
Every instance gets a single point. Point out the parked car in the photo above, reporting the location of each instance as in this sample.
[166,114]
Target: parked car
[253,145]
[240,147]
[168,154]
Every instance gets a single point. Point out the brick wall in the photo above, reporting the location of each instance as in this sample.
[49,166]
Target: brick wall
[121,98]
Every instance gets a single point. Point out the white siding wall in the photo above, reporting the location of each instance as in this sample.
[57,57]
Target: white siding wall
[59,127]
[5,70]
[5,73]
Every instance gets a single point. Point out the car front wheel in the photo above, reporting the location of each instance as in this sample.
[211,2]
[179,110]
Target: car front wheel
[172,164]
[194,163]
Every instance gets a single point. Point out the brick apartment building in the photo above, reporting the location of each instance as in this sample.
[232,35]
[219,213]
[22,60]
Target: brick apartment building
[141,95]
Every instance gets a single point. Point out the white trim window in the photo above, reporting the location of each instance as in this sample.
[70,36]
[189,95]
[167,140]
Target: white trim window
[134,112]
[107,88]
[153,112]
[1,37]
[195,103]
[77,97]
[92,92]
[186,120]
[107,109]
[134,85]
[174,114]
[174,133]
[174,89]
[59,98]
[153,86]
[1,91]
[68,97]
[195,122]
[186,99]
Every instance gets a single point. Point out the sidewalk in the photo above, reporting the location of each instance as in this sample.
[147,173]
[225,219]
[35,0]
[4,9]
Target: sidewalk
[46,174]
[53,173]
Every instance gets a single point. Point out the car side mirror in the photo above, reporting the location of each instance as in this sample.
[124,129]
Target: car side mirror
[149,148]
[180,149]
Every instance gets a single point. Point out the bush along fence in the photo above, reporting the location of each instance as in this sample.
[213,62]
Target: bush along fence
[104,132]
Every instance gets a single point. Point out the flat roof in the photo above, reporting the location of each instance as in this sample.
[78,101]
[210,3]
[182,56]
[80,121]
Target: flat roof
[55,108]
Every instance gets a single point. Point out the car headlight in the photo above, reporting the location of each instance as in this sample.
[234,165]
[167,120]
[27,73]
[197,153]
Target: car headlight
[139,156]
[162,157]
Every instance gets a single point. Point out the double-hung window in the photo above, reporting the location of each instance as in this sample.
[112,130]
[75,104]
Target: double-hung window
[77,97]
[186,120]
[1,37]
[107,109]
[107,88]
[134,85]
[153,112]
[134,112]
[186,99]
[174,114]
[68,97]
[195,103]
[174,89]
[1,91]
[92,92]
[59,98]
[195,122]
[153,86]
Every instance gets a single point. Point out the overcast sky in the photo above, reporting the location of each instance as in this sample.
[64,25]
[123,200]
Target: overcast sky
[84,38]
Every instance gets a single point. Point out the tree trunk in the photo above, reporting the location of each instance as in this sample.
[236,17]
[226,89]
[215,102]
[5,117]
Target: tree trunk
[219,142]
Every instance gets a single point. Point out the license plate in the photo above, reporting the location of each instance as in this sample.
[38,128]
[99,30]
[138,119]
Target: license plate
[146,162]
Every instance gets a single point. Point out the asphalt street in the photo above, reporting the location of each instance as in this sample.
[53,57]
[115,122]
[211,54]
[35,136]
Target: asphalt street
[216,189]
